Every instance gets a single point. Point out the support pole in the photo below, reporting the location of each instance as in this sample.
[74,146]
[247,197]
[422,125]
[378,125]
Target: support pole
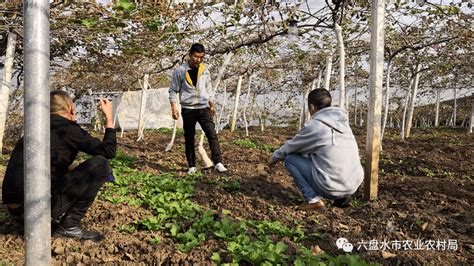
[37,133]
[375,100]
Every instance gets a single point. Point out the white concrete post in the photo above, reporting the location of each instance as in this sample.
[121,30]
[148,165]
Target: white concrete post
[37,158]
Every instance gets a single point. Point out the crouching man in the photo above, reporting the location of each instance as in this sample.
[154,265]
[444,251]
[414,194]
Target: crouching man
[72,191]
[323,158]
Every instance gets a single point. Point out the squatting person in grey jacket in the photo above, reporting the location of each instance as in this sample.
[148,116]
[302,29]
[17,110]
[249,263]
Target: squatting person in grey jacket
[193,83]
[323,157]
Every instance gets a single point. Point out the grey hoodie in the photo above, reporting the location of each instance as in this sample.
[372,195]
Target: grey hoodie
[328,141]
[191,97]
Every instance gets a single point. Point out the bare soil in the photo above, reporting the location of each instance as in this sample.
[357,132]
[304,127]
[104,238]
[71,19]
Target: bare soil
[425,192]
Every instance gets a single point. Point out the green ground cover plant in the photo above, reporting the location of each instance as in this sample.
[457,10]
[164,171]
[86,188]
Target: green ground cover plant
[178,217]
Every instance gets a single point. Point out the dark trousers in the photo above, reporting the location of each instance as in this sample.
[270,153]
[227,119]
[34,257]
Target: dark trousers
[204,118]
[77,191]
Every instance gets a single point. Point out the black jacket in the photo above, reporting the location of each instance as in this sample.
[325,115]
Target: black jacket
[67,139]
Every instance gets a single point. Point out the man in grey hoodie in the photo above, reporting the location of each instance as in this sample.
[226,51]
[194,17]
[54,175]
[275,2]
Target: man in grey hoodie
[323,157]
[193,83]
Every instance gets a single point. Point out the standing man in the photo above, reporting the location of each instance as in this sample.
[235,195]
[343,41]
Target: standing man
[193,83]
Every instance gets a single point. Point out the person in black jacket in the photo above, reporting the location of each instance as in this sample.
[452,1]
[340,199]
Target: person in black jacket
[72,190]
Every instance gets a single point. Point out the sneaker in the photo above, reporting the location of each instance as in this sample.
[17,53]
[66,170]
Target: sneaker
[343,202]
[192,170]
[220,168]
[306,206]
[76,232]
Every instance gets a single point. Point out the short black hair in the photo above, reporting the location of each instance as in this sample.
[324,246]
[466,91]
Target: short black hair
[320,98]
[197,48]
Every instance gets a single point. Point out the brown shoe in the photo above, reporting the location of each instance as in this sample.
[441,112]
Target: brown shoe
[306,206]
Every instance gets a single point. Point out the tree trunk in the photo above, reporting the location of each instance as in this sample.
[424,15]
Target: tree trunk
[342,65]
[411,110]
[202,152]
[387,98]
[471,122]
[141,116]
[247,97]
[116,113]
[236,105]
[327,76]
[224,103]
[320,76]
[6,84]
[375,100]
[347,104]
[227,58]
[170,145]
[438,92]
[455,106]
[262,116]
[313,87]
[303,108]
[355,106]
[254,108]
[405,108]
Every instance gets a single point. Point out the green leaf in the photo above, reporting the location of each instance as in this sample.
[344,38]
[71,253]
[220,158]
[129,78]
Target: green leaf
[216,257]
[233,247]
[299,262]
[90,22]
[156,240]
[174,229]
[125,5]
[280,247]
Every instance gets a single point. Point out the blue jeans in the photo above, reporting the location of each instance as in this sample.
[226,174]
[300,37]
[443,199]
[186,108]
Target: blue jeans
[300,169]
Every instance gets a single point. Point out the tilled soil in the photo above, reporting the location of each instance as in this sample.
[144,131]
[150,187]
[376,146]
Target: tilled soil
[425,193]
